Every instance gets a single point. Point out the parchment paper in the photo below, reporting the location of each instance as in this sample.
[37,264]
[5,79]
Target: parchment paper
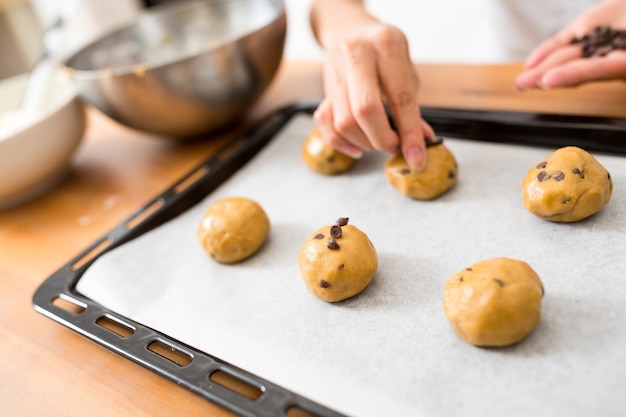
[390,350]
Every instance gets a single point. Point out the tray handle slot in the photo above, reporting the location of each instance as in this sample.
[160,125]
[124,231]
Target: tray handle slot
[170,352]
[144,214]
[191,179]
[295,411]
[69,304]
[116,326]
[91,254]
[237,385]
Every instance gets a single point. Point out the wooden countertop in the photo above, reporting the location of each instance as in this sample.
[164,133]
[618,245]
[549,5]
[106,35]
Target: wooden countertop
[45,368]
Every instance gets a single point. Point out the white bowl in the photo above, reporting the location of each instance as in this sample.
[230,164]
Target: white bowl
[35,152]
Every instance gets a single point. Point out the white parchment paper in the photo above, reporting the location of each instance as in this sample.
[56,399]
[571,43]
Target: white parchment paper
[390,350]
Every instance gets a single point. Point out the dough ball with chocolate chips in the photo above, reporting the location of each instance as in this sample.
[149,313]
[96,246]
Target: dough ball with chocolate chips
[233,229]
[323,158]
[496,302]
[337,261]
[439,176]
[567,186]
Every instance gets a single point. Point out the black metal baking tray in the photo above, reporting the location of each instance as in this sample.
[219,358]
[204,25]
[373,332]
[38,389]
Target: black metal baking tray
[595,134]
[136,341]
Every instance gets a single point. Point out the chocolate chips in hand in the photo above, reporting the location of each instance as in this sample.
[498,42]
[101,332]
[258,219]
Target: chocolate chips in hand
[601,41]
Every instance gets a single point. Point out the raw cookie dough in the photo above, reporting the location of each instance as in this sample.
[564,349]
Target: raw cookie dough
[496,302]
[439,176]
[233,228]
[567,186]
[322,158]
[337,262]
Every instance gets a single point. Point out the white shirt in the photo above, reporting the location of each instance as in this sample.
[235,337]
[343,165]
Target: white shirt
[517,26]
[476,30]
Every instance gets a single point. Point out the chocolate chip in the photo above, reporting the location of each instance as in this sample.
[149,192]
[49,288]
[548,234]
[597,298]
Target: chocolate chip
[542,176]
[451,174]
[332,243]
[587,51]
[341,266]
[342,221]
[498,281]
[319,236]
[330,159]
[324,283]
[579,172]
[461,279]
[405,171]
[619,43]
[542,164]
[468,269]
[601,41]
[433,141]
[558,176]
[335,231]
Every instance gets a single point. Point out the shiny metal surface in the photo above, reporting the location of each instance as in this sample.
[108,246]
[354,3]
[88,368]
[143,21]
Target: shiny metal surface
[184,68]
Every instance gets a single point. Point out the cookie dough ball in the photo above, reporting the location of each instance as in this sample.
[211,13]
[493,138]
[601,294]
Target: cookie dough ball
[232,229]
[322,158]
[496,302]
[439,176]
[567,186]
[337,262]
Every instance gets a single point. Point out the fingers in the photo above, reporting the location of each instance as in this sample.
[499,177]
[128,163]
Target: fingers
[352,114]
[345,137]
[557,63]
[547,47]
[581,25]
[363,72]
[585,70]
[400,83]
[566,67]
[324,120]
[533,77]
[366,119]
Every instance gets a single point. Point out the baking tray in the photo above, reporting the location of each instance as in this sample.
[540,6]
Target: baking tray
[58,299]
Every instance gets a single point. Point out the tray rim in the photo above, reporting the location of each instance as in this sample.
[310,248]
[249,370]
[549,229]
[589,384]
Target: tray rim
[535,129]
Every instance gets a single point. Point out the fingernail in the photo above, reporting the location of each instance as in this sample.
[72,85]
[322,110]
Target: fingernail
[352,152]
[541,85]
[519,84]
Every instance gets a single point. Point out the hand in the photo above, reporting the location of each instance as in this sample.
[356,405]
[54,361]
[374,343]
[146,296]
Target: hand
[558,63]
[366,68]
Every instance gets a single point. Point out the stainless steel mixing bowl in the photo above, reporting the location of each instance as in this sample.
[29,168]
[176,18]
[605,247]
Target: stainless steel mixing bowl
[184,68]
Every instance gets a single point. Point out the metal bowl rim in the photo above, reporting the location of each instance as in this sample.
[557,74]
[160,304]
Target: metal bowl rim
[142,67]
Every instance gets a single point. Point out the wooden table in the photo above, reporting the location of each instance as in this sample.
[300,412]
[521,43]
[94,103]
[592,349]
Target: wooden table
[45,368]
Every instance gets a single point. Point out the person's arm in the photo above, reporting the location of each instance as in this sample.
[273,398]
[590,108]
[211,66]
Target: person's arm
[334,19]
[557,62]
[367,64]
